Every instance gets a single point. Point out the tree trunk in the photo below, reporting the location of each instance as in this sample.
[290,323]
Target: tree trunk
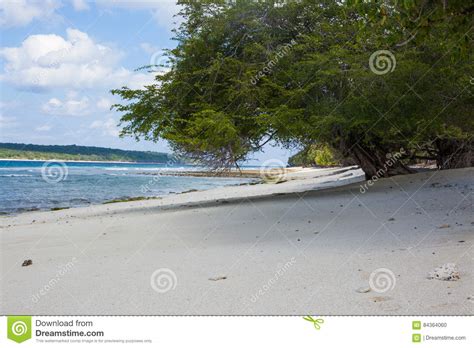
[374,159]
[376,164]
[454,153]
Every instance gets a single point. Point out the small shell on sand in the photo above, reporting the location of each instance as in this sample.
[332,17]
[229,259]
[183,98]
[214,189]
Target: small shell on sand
[363,289]
[447,271]
[218,278]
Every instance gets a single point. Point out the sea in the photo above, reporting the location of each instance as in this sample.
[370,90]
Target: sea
[50,185]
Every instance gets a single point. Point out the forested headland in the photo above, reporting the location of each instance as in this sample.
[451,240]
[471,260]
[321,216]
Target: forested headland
[79,153]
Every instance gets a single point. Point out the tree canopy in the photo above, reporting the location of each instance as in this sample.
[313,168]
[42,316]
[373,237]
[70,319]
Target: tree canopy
[365,78]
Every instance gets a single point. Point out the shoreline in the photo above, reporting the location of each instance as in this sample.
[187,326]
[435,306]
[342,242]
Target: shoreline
[265,173]
[298,179]
[316,230]
[269,175]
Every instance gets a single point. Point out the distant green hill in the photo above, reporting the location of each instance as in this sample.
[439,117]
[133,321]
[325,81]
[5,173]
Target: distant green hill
[79,153]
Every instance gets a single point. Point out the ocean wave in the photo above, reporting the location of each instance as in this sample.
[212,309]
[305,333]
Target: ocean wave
[124,169]
[15,175]
[156,169]
[10,169]
[119,169]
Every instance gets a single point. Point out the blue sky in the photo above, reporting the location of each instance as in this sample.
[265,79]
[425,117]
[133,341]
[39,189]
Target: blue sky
[59,59]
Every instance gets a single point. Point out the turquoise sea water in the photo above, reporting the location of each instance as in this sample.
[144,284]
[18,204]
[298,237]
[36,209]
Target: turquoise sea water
[41,185]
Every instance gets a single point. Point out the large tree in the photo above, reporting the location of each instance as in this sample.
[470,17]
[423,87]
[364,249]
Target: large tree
[303,72]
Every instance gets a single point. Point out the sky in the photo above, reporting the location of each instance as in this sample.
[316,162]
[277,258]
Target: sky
[59,60]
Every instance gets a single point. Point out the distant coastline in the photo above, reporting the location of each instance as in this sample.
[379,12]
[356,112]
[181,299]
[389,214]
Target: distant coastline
[75,153]
[75,161]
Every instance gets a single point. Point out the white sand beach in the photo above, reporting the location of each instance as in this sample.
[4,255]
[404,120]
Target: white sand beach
[313,244]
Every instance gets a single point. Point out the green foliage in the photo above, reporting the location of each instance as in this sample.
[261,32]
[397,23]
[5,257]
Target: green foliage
[324,156]
[446,21]
[301,159]
[315,155]
[248,72]
[78,153]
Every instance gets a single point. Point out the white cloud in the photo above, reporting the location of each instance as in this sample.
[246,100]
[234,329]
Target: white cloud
[7,122]
[108,127]
[69,107]
[22,12]
[72,94]
[80,5]
[44,62]
[148,47]
[163,11]
[104,104]
[43,128]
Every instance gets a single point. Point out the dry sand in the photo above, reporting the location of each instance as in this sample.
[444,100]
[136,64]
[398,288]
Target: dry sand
[298,247]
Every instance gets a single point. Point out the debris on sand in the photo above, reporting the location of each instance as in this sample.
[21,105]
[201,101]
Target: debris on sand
[27,263]
[381,298]
[363,289]
[218,278]
[444,226]
[447,271]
